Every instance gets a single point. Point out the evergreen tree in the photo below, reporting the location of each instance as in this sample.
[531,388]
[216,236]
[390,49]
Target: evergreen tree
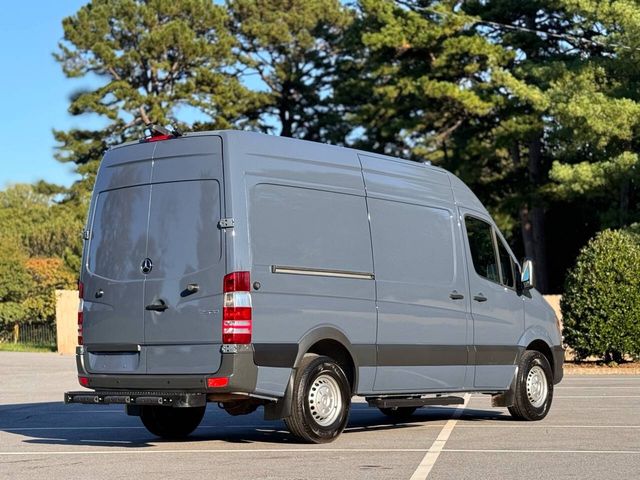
[415,74]
[152,58]
[291,47]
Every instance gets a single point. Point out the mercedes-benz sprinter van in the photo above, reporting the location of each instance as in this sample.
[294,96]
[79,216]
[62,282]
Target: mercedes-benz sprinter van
[247,270]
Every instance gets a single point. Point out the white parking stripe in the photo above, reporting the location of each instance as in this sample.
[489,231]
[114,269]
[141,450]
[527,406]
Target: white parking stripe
[519,426]
[25,429]
[577,396]
[612,387]
[592,452]
[461,424]
[129,451]
[596,396]
[429,460]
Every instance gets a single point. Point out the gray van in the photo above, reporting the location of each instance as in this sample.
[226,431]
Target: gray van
[253,270]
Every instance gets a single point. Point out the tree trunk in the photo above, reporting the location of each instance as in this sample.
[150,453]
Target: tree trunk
[532,215]
[285,110]
[536,215]
[624,202]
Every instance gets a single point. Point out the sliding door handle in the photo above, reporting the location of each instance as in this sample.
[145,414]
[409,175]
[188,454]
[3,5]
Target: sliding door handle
[480,298]
[455,295]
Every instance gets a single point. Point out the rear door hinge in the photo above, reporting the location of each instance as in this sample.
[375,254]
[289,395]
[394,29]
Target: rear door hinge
[226,223]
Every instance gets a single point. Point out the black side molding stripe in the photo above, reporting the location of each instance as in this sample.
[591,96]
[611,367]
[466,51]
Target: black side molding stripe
[283,355]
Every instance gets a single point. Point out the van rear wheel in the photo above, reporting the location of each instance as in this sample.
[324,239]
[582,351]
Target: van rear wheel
[321,400]
[171,423]
[534,387]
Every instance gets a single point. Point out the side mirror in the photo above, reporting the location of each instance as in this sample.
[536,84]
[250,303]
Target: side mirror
[527,277]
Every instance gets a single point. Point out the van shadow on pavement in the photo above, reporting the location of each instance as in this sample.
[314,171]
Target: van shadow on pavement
[54,423]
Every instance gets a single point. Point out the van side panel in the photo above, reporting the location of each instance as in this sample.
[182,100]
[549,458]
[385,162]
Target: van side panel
[303,214]
[422,332]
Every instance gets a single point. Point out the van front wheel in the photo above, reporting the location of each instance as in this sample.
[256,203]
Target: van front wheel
[171,423]
[534,387]
[321,400]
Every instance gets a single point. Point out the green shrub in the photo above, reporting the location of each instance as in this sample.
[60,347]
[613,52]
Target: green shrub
[601,304]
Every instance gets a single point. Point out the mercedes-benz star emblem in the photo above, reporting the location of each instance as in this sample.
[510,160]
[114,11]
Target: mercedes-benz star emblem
[146,265]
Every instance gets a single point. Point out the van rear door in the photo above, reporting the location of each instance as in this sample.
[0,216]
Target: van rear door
[183,288]
[155,264]
[113,282]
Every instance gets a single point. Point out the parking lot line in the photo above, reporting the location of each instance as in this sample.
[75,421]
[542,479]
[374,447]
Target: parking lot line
[596,396]
[429,460]
[612,387]
[130,451]
[120,427]
[590,452]
[525,427]
[577,396]
[461,424]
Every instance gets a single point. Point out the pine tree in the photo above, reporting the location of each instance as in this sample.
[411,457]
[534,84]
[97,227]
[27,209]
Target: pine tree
[291,48]
[151,58]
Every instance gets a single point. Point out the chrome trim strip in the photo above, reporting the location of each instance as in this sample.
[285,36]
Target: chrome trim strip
[317,272]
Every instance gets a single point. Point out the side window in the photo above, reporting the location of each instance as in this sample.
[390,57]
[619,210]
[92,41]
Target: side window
[506,266]
[482,252]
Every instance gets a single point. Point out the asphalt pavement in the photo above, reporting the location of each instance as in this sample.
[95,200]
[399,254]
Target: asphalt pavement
[592,431]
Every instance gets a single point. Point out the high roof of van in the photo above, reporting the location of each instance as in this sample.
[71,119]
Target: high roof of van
[464,196]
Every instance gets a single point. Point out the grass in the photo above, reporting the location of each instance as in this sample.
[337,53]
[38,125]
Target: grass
[26,347]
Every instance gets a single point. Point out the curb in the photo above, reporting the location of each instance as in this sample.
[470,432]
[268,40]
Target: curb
[601,371]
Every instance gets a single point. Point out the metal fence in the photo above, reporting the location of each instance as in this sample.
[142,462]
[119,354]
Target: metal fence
[41,334]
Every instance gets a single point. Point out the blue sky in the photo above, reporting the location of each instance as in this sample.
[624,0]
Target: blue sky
[33,91]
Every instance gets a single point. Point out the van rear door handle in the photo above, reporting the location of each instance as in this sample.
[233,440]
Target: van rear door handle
[455,295]
[157,307]
[480,298]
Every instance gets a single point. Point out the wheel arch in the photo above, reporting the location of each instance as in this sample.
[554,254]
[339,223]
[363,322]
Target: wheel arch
[333,343]
[542,347]
[323,340]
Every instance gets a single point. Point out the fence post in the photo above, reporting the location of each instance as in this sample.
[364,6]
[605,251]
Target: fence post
[16,332]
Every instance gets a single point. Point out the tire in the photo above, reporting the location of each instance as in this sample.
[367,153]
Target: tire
[171,423]
[399,413]
[534,387]
[321,400]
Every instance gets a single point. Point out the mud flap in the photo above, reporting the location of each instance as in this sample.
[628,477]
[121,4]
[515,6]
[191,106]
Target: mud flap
[506,399]
[281,408]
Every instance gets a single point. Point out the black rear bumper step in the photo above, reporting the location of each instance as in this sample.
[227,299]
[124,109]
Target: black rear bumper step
[167,399]
[391,402]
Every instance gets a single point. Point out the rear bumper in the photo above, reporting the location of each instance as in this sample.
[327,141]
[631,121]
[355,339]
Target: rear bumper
[558,363]
[128,397]
[238,367]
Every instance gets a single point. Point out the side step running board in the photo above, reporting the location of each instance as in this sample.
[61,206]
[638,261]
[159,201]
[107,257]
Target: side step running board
[167,399]
[390,402]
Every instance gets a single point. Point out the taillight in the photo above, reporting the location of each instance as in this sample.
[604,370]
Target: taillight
[217,382]
[236,312]
[80,315]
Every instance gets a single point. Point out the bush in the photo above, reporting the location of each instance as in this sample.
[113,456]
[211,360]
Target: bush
[601,304]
